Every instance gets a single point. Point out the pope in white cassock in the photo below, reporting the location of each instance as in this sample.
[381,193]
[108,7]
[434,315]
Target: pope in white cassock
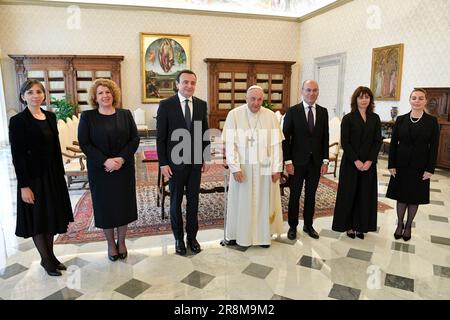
[253,149]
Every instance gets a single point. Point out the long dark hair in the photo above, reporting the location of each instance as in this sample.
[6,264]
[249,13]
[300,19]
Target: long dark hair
[362,91]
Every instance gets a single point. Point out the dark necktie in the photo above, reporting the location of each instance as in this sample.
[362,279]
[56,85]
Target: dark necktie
[310,119]
[187,113]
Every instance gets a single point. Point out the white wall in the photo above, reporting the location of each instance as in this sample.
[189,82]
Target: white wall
[29,29]
[357,27]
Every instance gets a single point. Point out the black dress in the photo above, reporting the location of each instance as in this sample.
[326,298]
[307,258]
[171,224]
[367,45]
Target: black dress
[52,210]
[113,193]
[413,150]
[357,195]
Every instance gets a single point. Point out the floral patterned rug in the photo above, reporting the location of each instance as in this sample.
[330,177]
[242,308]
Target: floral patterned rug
[210,214]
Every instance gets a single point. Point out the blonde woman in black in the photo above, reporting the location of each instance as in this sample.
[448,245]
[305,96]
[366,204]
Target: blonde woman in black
[412,159]
[109,138]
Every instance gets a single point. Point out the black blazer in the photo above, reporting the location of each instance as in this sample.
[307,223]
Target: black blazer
[97,146]
[411,151]
[361,141]
[27,141]
[170,118]
[299,143]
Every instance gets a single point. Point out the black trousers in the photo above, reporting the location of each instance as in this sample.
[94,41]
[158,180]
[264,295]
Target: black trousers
[310,175]
[186,180]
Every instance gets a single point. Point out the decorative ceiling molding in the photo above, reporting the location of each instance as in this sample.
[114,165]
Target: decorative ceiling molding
[136,5]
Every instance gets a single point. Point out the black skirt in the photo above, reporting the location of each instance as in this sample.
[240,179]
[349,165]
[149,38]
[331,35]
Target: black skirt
[113,196]
[408,187]
[51,211]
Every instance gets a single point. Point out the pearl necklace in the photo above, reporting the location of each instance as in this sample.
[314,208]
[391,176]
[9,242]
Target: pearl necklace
[415,121]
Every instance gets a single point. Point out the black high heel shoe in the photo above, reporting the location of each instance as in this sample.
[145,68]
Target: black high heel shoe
[50,268]
[360,235]
[113,257]
[122,256]
[58,264]
[351,234]
[406,238]
[399,235]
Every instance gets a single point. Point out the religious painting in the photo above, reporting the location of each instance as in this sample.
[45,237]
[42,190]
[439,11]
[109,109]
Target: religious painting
[163,56]
[386,77]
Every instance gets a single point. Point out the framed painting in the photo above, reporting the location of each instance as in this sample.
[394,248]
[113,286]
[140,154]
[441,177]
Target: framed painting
[163,56]
[386,77]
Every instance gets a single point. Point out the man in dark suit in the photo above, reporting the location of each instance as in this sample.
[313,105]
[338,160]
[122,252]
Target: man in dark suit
[182,121]
[305,151]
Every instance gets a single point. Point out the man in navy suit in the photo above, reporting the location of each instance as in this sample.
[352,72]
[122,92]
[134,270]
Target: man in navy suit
[182,121]
[305,151]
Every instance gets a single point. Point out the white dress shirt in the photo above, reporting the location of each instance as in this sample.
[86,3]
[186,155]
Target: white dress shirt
[306,107]
[182,100]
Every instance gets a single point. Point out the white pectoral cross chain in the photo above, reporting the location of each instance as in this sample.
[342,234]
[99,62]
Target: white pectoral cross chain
[251,138]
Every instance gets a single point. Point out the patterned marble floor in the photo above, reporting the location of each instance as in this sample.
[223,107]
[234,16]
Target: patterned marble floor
[333,267]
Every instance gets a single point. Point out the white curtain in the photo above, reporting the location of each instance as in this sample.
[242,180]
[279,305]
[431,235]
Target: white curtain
[4,140]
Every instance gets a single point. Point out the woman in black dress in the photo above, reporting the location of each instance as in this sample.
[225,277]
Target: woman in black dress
[43,202]
[412,159]
[108,136]
[356,201]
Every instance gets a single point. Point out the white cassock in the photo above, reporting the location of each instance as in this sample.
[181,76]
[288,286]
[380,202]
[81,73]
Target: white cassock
[253,146]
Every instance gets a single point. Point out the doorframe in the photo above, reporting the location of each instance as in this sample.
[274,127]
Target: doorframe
[339,60]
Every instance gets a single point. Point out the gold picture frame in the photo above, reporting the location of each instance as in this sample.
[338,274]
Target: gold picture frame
[163,56]
[386,76]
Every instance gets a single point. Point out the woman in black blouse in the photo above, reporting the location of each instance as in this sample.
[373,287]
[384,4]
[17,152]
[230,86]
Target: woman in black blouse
[43,202]
[356,201]
[108,136]
[412,159]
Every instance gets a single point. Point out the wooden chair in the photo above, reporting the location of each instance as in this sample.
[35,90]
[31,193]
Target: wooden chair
[386,145]
[139,118]
[73,158]
[217,153]
[335,143]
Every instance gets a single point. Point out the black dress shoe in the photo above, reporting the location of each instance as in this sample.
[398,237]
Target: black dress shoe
[265,246]
[311,232]
[123,256]
[50,268]
[406,234]
[113,258]
[194,245]
[180,247]
[292,233]
[360,235]
[59,265]
[400,229]
[351,235]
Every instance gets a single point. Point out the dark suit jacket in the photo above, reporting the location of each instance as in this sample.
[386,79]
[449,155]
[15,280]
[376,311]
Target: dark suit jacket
[361,141]
[170,118]
[98,147]
[27,141]
[418,151]
[299,143]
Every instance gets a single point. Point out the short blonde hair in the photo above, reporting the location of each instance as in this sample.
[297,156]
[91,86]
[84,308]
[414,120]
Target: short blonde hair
[111,85]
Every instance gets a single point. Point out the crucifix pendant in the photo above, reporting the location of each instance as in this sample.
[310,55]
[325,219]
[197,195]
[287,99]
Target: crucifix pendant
[251,140]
